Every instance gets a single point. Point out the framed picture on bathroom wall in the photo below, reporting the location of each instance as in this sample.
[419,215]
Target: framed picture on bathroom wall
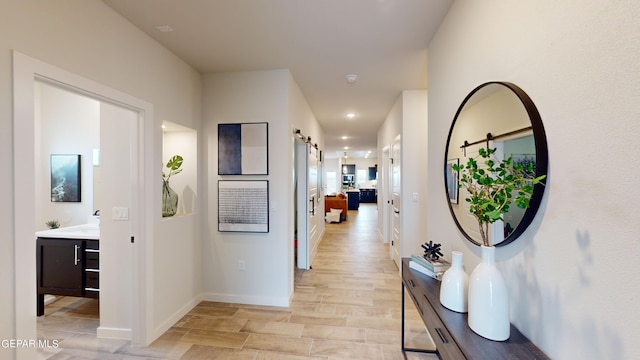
[65,178]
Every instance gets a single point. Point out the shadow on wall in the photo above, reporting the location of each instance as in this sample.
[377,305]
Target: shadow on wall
[603,341]
[187,201]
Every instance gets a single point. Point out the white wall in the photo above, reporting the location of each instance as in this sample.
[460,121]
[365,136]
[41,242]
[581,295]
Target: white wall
[100,45]
[301,117]
[414,172]
[243,97]
[573,275]
[66,123]
[388,131]
[407,118]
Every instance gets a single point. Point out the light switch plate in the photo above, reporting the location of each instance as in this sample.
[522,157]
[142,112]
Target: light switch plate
[119,213]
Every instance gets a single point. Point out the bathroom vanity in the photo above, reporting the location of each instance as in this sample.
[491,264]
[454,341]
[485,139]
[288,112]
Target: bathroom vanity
[68,262]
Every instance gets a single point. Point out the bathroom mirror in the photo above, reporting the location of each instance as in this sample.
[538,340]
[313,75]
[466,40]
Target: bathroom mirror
[499,115]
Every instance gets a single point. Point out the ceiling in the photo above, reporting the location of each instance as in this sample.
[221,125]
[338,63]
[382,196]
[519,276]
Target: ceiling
[383,42]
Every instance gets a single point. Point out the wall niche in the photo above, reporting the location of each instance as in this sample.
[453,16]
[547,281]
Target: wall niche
[183,141]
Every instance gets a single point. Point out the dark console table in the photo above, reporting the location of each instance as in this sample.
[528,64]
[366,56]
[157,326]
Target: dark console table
[449,330]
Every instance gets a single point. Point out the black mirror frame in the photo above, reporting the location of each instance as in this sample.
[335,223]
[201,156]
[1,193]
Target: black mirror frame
[542,160]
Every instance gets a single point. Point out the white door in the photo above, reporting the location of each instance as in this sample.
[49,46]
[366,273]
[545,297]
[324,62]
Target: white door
[395,200]
[115,198]
[385,200]
[314,211]
[302,220]
[307,204]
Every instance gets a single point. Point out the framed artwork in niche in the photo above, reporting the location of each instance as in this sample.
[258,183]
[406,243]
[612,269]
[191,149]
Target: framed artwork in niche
[243,149]
[243,206]
[452,180]
[65,178]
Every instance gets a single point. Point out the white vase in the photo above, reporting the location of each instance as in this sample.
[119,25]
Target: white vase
[454,286]
[489,299]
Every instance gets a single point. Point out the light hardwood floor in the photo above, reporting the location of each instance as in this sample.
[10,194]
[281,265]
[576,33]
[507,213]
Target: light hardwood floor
[347,306]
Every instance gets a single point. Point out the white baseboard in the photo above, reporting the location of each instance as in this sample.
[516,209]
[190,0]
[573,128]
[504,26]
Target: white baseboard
[380,236]
[171,320]
[113,333]
[248,300]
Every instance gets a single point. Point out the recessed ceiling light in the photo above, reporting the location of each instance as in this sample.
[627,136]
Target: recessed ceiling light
[164,28]
[344,138]
[351,78]
[351,115]
[346,148]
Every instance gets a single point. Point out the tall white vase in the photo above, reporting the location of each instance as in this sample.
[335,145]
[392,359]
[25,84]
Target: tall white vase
[489,299]
[454,286]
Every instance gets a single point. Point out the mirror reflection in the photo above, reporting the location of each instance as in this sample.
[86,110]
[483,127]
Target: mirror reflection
[500,116]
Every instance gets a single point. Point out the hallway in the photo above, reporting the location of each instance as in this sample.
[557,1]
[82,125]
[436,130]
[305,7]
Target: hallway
[346,307]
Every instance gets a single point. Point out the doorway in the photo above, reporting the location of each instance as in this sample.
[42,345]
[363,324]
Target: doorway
[395,183]
[26,71]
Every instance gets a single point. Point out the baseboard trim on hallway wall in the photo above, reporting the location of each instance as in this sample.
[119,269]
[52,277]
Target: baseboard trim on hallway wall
[247,300]
[380,236]
[113,333]
[173,319]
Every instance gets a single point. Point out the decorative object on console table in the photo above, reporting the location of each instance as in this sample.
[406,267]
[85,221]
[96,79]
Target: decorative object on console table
[170,197]
[488,299]
[431,251]
[454,287]
[452,337]
[437,266]
[430,262]
[419,267]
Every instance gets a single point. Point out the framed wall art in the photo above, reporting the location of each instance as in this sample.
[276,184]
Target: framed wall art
[243,149]
[65,178]
[243,205]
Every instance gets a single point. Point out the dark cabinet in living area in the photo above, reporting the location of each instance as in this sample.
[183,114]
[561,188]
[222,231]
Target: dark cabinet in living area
[353,200]
[368,195]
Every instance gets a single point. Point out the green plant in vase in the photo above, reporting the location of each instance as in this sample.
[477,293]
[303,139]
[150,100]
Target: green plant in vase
[492,189]
[170,197]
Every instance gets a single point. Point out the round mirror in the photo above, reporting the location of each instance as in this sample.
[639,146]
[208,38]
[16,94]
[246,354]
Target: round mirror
[501,116]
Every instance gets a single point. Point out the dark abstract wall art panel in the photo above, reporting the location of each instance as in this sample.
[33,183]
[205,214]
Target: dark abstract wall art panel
[243,149]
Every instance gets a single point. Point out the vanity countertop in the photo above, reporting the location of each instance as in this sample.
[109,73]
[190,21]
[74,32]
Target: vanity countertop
[86,231]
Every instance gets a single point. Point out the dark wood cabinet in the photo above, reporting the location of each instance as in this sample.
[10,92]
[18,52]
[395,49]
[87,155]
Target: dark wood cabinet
[353,200]
[68,267]
[449,330]
[368,196]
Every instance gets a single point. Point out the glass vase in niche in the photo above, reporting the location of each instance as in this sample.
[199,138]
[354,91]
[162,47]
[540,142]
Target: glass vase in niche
[454,285]
[489,299]
[170,197]
[169,200]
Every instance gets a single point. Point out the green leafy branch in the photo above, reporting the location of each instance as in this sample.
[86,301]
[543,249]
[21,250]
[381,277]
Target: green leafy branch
[493,188]
[173,165]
